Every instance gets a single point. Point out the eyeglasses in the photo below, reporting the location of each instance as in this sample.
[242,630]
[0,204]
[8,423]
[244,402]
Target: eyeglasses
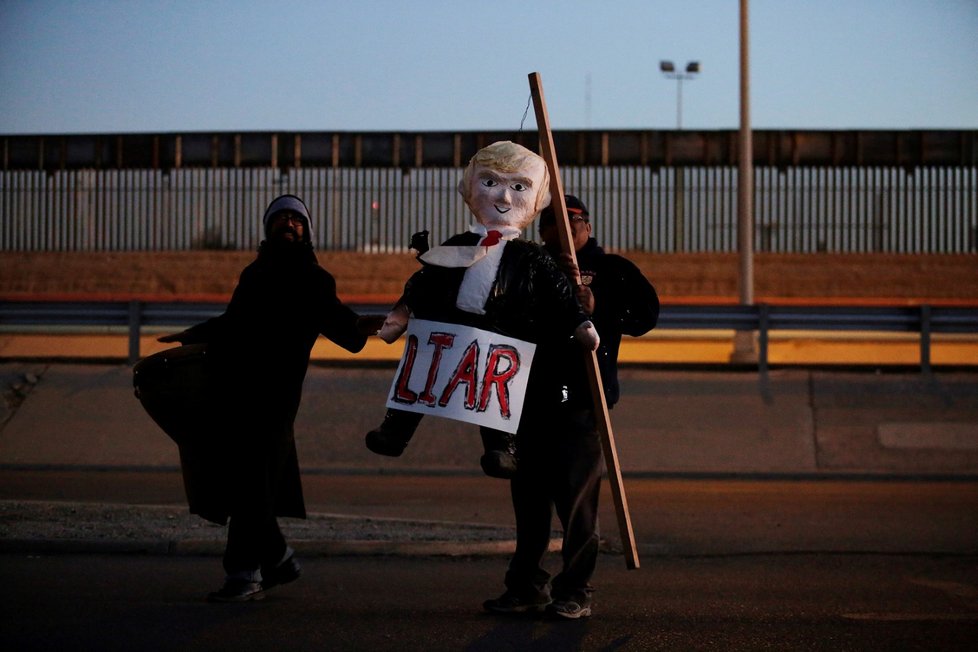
[550,221]
[286,216]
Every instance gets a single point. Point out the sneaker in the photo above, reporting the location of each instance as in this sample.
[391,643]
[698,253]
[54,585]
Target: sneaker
[568,609]
[288,571]
[510,603]
[237,591]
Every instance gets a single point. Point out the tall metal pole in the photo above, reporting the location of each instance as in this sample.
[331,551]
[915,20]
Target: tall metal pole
[744,340]
[668,69]
[680,208]
[679,101]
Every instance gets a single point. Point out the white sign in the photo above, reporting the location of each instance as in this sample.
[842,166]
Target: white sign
[462,373]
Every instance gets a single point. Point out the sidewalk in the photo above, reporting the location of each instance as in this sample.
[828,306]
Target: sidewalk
[803,425]
[667,422]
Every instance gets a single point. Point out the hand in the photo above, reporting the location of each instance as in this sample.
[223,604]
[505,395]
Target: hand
[586,298]
[394,324]
[369,324]
[173,337]
[568,265]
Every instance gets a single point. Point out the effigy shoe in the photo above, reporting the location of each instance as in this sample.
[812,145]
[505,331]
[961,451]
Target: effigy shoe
[384,443]
[498,464]
[391,437]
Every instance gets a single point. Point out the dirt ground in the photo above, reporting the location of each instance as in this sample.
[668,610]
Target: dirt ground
[380,277]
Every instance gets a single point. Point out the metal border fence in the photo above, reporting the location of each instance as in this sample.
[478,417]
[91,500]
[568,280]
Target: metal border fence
[931,209]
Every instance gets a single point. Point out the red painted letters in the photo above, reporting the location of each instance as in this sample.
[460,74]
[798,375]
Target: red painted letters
[509,358]
[502,364]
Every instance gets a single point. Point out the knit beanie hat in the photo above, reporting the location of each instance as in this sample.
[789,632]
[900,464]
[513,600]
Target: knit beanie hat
[288,203]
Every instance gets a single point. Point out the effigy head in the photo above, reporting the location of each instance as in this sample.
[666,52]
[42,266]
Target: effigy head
[505,184]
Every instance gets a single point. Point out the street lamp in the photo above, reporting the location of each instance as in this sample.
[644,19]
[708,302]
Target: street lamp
[668,69]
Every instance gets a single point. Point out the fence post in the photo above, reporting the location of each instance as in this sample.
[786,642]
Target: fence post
[135,319]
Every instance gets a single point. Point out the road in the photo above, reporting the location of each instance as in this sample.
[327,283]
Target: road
[833,564]
[778,602]
[832,512]
[671,516]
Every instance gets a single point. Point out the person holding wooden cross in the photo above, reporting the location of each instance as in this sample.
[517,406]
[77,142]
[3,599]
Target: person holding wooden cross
[560,452]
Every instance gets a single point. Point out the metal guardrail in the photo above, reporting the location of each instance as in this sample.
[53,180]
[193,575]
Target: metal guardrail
[762,318]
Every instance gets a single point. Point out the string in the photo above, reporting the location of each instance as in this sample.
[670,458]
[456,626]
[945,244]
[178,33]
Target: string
[526,111]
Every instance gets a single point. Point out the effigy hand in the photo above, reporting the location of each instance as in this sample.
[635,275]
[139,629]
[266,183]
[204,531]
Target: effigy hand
[394,324]
[587,335]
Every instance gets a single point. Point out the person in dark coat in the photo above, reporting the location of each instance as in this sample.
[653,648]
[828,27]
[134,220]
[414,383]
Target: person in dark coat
[257,356]
[560,449]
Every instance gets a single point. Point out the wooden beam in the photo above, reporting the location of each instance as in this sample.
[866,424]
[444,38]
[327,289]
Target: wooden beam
[602,417]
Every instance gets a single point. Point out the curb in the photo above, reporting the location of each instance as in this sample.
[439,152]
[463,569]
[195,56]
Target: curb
[305,547]
[64,527]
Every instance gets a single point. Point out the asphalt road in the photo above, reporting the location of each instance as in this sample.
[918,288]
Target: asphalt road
[835,512]
[670,516]
[735,602]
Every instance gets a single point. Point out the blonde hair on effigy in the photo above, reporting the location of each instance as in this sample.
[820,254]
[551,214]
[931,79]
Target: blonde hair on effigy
[506,156]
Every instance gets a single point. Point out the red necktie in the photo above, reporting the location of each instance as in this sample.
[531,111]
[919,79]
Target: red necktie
[492,238]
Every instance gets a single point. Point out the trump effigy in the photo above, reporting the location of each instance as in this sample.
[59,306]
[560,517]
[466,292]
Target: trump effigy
[476,311]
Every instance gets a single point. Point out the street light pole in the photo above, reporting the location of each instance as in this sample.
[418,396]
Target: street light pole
[745,164]
[744,348]
[668,69]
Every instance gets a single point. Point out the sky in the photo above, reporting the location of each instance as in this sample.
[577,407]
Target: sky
[129,66]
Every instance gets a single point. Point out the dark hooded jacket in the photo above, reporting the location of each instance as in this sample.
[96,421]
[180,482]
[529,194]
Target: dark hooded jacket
[625,303]
[257,356]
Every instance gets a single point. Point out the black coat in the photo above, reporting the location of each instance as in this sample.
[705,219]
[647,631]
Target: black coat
[257,357]
[624,303]
[530,299]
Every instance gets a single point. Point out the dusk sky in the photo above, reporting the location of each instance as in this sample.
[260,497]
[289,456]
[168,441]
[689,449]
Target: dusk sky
[432,65]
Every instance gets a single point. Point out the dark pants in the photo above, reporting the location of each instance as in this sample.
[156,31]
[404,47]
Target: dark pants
[560,467]
[254,540]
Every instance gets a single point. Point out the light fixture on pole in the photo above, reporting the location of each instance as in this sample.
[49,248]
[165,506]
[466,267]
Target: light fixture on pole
[668,69]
